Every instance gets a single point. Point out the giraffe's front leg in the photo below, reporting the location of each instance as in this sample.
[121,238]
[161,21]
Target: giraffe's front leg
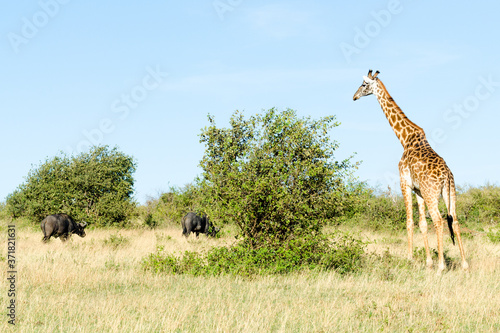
[423,229]
[406,189]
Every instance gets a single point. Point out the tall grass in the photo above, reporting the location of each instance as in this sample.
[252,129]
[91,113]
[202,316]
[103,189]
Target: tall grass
[96,284]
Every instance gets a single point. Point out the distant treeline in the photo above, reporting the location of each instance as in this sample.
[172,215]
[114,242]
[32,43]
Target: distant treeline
[360,204]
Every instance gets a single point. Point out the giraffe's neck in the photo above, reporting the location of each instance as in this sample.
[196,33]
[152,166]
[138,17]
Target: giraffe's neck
[406,131]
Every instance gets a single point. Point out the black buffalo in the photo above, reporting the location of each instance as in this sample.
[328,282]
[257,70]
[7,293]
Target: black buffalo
[197,224]
[61,225]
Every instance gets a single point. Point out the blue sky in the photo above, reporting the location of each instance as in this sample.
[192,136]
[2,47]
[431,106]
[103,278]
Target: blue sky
[144,75]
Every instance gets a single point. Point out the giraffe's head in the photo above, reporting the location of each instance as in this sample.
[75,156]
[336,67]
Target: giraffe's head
[368,85]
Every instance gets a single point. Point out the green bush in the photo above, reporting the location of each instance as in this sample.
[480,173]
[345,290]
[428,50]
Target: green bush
[274,175]
[479,204]
[4,212]
[115,241]
[170,207]
[96,186]
[494,235]
[373,209]
[150,221]
[339,252]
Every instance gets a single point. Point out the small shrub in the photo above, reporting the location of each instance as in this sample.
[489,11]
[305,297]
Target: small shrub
[169,207]
[420,256]
[388,266]
[111,265]
[339,252]
[158,262]
[494,236]
[374,209]
[345,256]
[150,221]
[388,240]
[115,241]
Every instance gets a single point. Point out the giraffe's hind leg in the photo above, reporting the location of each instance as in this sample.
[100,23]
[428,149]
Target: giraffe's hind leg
[423,228]
[456,230]
[432,205]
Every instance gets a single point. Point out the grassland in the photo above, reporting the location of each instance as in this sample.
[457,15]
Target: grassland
[95,284]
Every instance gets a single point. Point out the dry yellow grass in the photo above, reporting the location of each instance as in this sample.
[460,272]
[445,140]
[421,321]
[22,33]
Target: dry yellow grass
[96,285]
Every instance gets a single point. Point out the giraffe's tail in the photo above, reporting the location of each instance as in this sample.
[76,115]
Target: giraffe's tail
[451,207]
[449,218]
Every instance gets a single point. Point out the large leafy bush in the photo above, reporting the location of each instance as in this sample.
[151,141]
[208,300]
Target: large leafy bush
[96,186]
[274,175]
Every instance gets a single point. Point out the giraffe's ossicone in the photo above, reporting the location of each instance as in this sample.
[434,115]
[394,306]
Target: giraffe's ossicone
[422,171]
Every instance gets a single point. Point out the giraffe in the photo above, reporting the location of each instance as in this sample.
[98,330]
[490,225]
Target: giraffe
[422,171]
